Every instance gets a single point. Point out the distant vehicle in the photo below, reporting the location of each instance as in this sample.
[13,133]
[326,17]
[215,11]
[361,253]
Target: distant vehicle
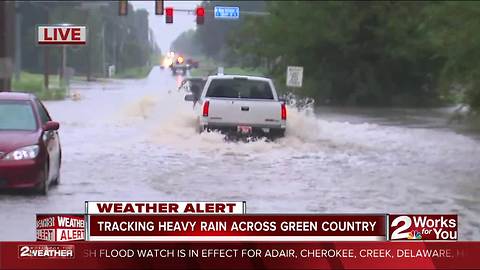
[167,60]
[30,151]
[240,105]
[193,63]
[179,64]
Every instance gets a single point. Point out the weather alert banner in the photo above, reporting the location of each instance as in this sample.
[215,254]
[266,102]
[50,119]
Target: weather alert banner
[212,235]
[423,227]
[60,227]
[163,208]
[245,227]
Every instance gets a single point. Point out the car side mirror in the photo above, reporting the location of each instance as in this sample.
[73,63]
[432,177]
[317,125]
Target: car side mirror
[189,97]
[51,125]
[282,99]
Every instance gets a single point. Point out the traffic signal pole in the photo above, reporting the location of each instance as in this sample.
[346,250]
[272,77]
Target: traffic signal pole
[7,20]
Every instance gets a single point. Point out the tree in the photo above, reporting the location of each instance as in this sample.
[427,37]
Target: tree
[364,53]
[126,38]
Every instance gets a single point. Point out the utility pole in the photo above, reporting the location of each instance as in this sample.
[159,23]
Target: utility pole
[46,67]
[46,58]
[7,13]
[63,59]
[89,75]
[115,48]
[18,41]
[103,51]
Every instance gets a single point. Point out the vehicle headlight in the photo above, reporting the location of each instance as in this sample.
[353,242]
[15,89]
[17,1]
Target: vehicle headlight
[24,153]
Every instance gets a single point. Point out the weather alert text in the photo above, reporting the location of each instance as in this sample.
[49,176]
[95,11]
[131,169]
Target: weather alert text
[58,227]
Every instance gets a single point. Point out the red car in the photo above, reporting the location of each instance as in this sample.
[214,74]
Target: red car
[30,152]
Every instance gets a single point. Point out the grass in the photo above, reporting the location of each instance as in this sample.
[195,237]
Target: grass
[209,66]
[244,71]
[206,70]
[33,83]
[134,73]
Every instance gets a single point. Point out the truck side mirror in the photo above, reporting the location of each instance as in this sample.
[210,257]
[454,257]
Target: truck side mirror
[189,97]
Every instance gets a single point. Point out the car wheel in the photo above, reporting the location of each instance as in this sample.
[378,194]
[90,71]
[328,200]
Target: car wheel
[56,181]
[42,188]
[277,134]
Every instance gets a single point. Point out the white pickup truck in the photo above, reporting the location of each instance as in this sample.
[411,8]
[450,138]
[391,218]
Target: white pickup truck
[242,105]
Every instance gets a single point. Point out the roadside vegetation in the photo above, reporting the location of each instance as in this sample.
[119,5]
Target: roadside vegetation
[134,73]
[208,66]
[125,42]
[33,83]
[376,53]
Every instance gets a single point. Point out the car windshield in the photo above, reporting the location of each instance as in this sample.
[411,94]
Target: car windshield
[17,116]
[240,88]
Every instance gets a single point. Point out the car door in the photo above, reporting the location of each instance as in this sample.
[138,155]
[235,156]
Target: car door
[52,142]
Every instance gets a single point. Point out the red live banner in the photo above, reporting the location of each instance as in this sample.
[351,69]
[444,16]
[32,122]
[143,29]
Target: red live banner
[249,227]
[240,255]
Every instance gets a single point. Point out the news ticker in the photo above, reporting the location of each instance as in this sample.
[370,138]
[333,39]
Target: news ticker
[229,221]
[240,255]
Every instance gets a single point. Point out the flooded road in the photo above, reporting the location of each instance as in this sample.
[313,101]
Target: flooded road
[135,140]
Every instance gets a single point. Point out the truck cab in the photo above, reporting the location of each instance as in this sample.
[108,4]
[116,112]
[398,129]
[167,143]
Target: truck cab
[244,105]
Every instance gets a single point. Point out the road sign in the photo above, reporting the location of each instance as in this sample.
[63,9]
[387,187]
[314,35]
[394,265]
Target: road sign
[227,13]
[294,76]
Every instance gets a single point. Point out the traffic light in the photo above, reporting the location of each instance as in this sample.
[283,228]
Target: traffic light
[200,15]
[122,7]
[159,7]
[169,15]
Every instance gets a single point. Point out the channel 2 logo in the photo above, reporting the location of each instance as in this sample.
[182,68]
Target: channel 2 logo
[46,251]
[423,227]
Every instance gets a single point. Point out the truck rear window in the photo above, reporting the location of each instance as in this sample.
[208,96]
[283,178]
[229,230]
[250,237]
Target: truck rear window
[239,88]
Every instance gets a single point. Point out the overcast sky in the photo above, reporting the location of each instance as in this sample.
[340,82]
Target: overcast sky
[165,34]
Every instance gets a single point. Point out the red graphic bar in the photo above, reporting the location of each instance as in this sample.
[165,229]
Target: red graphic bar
[250,227]
[62,42]
[238,255]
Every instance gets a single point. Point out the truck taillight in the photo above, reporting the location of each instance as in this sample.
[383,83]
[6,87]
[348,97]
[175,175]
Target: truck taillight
[206,105]
[284,111]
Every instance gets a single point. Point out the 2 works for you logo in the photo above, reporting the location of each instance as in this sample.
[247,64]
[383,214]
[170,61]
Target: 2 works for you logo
[46,251]
[423,227]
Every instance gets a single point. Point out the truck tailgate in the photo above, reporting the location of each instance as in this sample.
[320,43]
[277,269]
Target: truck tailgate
[261,113]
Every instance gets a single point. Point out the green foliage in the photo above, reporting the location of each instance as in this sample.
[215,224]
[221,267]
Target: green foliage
[185,44]
[456,37]
[28,82]
[33,83]
[122,41]
[212,38]
[134,73]
[381,53]
[245,71]
[356,53]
